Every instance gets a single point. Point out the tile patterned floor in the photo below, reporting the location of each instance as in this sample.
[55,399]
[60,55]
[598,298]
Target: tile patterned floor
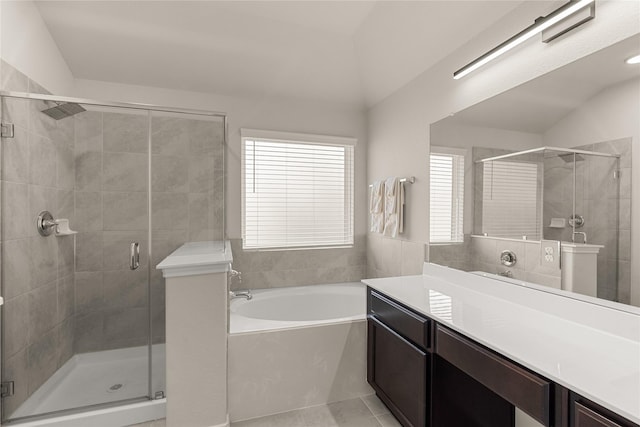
[367,411]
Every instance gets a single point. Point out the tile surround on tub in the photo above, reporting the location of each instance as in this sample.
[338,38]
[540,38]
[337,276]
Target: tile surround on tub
[281,370]
[280,268]
[393,257]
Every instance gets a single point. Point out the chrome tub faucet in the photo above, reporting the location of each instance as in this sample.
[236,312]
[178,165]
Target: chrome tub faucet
[241,294]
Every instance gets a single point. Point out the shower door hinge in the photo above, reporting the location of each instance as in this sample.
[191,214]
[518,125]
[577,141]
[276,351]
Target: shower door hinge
[6,389]
[158,395]
[616,174]
[7,130]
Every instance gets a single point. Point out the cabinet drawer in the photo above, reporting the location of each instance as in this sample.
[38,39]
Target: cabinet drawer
[585,417]
[513,383]
[406,323]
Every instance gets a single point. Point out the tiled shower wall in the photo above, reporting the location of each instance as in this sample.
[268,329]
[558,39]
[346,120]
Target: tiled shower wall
[92,168]
[187,184]
[112,212]
[37,275]
[596,201]
[111,159]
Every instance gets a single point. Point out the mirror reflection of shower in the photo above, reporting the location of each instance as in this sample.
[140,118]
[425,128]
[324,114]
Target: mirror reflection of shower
[541,192]
[571,196]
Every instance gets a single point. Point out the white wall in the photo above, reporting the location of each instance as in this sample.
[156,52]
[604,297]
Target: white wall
[266,114]
[29,47]
[399,126]
[612,114]
[448,133]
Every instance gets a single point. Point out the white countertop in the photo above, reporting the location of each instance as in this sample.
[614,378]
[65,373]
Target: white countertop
[589,348]
[195,258]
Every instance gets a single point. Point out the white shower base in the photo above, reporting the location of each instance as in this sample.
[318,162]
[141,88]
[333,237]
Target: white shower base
[96,378]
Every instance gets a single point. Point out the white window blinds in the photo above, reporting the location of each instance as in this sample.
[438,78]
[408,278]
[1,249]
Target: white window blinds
[510,199]
[296,194]
[446,217]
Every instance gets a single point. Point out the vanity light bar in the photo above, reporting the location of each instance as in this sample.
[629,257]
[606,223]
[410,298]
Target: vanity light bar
[537,27]
[633,60]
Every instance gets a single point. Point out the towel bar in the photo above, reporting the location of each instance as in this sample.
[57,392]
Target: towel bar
[410,180]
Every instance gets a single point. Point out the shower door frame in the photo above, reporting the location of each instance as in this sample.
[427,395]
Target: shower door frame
[542,149]
[569,151]
[150,109]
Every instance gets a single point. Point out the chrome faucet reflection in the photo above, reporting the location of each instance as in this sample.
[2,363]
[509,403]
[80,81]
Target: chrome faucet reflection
[235,274]
[582,233]
[241,294]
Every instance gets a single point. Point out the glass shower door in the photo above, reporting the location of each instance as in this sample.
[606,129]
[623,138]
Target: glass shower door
[187,202]
[603,225]
[75,324]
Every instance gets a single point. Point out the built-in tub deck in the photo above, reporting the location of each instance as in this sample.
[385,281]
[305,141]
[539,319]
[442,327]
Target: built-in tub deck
[291,348]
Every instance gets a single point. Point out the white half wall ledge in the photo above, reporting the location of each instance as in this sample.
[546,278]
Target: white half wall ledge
[197,258]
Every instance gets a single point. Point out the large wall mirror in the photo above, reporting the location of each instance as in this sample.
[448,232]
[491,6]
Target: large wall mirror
[534,185]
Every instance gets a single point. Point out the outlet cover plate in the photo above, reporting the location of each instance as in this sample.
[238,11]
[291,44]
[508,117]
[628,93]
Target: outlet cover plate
[550,253]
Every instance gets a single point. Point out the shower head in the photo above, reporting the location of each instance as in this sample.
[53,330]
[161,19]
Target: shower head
[568,157]
[63,109]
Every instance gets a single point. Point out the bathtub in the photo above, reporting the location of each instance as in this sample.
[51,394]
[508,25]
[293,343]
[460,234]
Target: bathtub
[291,348]
[300,306]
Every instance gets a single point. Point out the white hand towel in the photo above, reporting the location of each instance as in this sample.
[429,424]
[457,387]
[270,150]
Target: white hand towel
[392,198]
[376,205]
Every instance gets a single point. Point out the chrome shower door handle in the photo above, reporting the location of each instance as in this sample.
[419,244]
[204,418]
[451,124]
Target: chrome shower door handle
[134,256]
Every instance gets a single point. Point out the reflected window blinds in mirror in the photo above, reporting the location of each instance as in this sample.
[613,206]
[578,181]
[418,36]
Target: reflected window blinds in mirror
[511,196]
[446,195]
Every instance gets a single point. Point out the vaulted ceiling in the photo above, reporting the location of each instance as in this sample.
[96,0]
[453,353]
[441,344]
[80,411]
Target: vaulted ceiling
[351,52]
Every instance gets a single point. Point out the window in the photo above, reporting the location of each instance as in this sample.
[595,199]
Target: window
[510,195]
[297,190]
[447,195]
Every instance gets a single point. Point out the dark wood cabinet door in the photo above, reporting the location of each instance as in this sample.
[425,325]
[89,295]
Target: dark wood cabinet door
[398,371]
[585,417]
[586,413]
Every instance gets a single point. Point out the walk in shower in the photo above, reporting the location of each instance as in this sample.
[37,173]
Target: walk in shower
[83,323]
[556,194]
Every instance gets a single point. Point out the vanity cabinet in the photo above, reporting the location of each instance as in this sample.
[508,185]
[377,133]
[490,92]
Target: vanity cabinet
[404,371]
[398,371]
[584,413]
[398,359]
[432,376]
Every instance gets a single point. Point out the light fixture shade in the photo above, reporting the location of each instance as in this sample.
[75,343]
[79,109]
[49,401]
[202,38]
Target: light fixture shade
[578,18]
[537,27]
